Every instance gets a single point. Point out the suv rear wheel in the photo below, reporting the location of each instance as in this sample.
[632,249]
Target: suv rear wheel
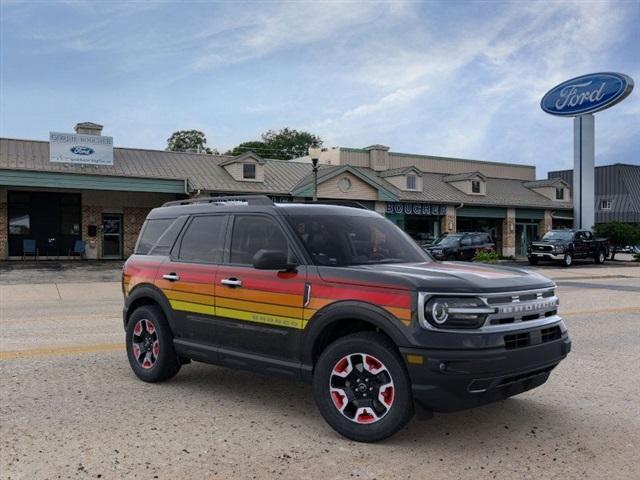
[362,388]
[600,257]
[150,345]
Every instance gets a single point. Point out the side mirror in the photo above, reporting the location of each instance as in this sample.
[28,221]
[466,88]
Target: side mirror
[271,260]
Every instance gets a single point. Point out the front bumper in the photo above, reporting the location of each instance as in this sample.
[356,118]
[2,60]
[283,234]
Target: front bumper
[547,255]
[450,380]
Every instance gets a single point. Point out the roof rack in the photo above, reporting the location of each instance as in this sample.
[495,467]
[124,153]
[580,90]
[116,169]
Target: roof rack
[233,200]
[340,203]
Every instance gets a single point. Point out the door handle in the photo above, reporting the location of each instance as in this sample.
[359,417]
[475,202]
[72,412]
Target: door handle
[231,282]
[172,277]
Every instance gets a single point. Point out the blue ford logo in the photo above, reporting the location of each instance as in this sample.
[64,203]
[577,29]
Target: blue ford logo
[587,94]
[79,150]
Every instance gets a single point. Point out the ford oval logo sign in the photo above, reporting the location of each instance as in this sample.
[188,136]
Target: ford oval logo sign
[79,150]
[587,94]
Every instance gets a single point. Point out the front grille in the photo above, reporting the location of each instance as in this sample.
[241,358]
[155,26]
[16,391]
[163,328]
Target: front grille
[543,248]
[525,376]
[550,334]
[517,340]
[521,306]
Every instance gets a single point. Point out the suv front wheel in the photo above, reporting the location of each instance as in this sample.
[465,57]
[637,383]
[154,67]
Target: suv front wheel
[150,345]
[362,388]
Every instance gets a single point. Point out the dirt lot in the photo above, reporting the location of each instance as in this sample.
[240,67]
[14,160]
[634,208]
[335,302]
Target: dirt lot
[71,408]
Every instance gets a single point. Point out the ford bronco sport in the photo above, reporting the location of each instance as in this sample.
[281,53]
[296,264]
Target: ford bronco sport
[339,297]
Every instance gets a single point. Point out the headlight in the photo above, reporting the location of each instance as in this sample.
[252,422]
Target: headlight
[454,312]
[559,248]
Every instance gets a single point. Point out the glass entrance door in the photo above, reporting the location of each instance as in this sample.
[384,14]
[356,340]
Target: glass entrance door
[525,233]
[111,235]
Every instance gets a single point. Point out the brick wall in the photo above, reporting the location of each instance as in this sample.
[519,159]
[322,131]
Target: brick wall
[92,215]
[133,218]
[4,227]
[448,222]
[509,234]
[545,224]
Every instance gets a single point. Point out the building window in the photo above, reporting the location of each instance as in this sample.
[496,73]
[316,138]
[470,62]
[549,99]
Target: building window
[559,193]
[605,204]
[411,182]
[249,171]
[475,186]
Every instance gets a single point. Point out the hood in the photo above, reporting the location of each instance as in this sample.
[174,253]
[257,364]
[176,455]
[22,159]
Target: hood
[449,277]
[549,242]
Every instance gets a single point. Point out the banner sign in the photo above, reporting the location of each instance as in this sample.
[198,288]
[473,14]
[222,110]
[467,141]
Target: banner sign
[587,94]
[416,208]
[80,149]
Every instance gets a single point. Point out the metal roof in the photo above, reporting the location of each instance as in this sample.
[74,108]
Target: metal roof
[206,173]
[463,176]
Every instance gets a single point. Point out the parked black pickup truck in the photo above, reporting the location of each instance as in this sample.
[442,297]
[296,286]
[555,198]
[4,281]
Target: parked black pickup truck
[566,245]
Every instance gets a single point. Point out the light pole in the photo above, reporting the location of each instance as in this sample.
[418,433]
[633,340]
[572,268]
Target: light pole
[314,153]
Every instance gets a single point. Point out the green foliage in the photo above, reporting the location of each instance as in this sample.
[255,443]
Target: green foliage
[619,234]
[259,148]
[485,257]
[188,141]
[284,144]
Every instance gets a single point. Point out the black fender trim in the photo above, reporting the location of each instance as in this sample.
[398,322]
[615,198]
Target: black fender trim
[349,310]
[148,290]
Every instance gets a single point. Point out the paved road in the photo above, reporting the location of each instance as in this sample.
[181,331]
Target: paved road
[71,408]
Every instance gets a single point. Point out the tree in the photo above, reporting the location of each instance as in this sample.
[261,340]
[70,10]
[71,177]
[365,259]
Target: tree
[284,144]
[188,141]
[619,234]
[257,147]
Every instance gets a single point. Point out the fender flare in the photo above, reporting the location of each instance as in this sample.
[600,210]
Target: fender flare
[148,290]
[351,310]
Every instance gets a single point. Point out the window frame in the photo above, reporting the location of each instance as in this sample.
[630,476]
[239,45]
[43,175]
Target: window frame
[244,172]
[560,192]
[177,245]
[414,178]
[473,184]
[609,204]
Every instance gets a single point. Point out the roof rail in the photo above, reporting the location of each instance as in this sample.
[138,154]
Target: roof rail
[235,200]
[340,203]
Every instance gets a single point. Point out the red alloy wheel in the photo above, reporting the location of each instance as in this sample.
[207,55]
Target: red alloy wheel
[145,343]
[361,388]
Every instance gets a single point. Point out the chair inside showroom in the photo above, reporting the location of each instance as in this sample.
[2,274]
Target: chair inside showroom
[29,248]
[79,249]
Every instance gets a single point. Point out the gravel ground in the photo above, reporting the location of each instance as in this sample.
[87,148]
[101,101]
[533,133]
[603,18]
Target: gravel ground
[71,408]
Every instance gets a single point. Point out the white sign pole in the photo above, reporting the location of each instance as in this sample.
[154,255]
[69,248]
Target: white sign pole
[583,171]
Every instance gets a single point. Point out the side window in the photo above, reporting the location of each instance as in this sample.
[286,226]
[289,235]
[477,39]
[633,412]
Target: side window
[163,245]
[252,233]
[465,242]
[151,232]
[478,239]
[588,236]
[204,239]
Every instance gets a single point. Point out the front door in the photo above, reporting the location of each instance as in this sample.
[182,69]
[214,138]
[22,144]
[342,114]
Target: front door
[258,311]
[111,235]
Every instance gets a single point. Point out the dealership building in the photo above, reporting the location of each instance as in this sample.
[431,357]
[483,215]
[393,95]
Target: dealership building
[78,187]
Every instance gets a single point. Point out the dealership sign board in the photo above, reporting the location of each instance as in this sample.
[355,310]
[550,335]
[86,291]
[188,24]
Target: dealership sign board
[587,94]
[80,149]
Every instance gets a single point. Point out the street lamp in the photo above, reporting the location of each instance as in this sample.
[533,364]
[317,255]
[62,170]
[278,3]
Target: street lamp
[314,153]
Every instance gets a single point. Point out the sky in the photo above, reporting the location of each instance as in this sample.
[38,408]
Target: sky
[446,78]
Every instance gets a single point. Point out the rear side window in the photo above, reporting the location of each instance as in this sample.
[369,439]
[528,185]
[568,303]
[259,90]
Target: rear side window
[478,239]
[151,232]
[465,242]
[168,238]
[203,240]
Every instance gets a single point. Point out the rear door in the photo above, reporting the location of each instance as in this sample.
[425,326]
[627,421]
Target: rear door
[259,311]
[466,248]
[187,277]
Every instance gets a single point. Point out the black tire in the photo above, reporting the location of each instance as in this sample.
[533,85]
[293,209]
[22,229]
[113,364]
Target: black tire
[600,257]
[152,365]
[393,374]
[567,261]
[532,260]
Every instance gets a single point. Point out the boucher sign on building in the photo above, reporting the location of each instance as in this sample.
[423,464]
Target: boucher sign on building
[416,208]
[80,149]
[580,97]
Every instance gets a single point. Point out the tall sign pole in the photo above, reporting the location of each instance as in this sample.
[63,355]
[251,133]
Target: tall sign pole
[580,97]
[583,171]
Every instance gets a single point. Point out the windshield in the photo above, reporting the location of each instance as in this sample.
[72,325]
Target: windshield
[558,235]
[343,240]
[447,241]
